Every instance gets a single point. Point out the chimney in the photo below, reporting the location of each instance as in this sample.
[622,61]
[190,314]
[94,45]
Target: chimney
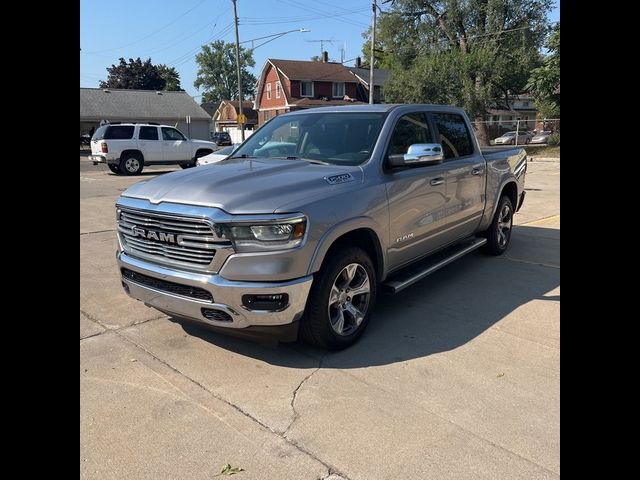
[358,62]
[325,56]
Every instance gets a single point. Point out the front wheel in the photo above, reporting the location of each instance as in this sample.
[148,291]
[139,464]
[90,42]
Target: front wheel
[340,301]
[499,232]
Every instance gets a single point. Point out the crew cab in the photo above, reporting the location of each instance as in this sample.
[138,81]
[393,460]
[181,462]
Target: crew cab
[127,147]
[312,216]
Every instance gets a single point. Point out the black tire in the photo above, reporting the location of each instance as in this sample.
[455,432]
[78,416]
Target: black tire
[114,168]
[498,234]
[316,326]
[131,164]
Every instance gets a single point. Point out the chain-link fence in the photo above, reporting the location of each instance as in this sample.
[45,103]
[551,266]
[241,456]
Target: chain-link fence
[511,130]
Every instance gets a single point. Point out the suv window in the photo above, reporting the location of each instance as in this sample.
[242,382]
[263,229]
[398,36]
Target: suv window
[169,133]
[118,132]
[99,133]
[454,136]
[148,133]
[410,129]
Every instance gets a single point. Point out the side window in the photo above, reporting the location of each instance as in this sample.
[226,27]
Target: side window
[171,134]
[410,129]
[454,136]
[148,133]
[119,132]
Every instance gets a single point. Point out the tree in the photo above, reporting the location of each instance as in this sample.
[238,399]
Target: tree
[544,82]
[217,74]
[171,78]
[471,53]
[136,74]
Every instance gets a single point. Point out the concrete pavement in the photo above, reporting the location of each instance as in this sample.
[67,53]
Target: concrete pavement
[457,377]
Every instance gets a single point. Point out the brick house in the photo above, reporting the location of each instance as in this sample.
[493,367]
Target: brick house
[287,85]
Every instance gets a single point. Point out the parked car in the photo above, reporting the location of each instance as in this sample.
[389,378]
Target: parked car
[542,137]
[216,156]
[85,139]
[127,147]
[221,138]
[509,138]
[303,242]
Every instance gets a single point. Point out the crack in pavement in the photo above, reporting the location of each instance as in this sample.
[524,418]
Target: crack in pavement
[98,231]
[109,329]
[331,470]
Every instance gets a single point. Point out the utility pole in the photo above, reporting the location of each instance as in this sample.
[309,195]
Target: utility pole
[240,99]
[373,44]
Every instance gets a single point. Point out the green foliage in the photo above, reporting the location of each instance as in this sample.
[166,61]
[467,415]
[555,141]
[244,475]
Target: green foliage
[229,470]
[136,75]
[544,82]
[171,78]
[469,53]
[217,74]
[554,139]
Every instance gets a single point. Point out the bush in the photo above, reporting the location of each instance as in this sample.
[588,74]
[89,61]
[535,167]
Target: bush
[554,140]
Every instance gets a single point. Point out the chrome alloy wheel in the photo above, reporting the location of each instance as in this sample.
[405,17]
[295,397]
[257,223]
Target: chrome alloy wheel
[349,299]
[132,164]
[505,221]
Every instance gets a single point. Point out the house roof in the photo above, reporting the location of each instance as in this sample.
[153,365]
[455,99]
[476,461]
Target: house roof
[210,107]
[247,109]
[310,70]
[380,75]
[120,104]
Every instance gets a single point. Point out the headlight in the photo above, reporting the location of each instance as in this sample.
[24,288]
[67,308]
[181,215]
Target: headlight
[266,236]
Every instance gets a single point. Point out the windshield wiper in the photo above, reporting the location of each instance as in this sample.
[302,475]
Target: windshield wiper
[315,162]
[244,155]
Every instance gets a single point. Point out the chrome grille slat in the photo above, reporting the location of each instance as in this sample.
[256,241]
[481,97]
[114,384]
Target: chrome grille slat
[197,241]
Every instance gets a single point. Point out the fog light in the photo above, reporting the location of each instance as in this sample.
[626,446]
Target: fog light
[278,301]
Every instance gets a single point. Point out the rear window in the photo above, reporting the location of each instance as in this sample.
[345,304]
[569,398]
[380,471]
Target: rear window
[118,132]
[454,136]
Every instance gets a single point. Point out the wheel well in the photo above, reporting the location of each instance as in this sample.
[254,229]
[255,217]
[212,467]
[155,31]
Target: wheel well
[364,238]
[203,152]
[137,153]
[511,191]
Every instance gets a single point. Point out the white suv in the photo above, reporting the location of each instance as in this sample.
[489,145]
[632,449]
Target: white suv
[127,147]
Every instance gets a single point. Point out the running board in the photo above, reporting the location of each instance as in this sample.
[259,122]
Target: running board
[426,267]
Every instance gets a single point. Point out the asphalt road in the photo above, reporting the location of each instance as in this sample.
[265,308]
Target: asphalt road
[457,377]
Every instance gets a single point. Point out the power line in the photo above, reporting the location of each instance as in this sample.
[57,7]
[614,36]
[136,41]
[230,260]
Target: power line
[154,32]
[324,14]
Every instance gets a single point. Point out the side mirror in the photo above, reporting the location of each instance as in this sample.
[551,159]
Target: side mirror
[418,155]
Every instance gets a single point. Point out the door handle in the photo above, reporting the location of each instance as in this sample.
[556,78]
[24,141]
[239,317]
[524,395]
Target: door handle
[437,181]
[477,171]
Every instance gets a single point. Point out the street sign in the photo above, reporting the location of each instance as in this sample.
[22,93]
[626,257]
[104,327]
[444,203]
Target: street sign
[242,118]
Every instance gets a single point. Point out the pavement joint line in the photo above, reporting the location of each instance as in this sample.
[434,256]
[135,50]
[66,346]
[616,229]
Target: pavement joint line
[98,231]
[543,219]
[331,470]
[519,260]
[496,328]
[93,335]
[108,329]
[296,415]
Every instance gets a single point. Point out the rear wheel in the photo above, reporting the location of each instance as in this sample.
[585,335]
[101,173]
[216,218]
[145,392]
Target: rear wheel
[131,164]
[114,168]
[499,232]
[340,301]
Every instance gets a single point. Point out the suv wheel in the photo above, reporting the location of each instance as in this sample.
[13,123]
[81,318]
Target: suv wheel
[341,300]
[131,164]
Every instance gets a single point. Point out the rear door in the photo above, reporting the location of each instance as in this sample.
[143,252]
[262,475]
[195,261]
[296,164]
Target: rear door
[417,195]
[174,145]
[466,173]
[150,144]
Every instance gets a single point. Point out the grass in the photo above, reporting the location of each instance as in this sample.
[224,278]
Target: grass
[543,151]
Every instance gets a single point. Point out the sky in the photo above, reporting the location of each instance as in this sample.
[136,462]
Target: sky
[171,32]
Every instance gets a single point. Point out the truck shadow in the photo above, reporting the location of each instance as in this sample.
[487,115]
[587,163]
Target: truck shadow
[440,313]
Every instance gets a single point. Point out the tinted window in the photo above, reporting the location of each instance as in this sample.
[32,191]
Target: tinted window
[119,132]
[148,133]
[454,136]
[171,134]
[410,129]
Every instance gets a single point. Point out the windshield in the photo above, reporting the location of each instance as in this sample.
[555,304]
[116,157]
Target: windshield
[509,134]
[339,138]
[225,150]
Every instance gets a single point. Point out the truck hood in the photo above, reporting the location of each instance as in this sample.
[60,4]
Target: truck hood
[249,186]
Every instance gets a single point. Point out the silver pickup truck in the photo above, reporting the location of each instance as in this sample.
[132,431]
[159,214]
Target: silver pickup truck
[313,215]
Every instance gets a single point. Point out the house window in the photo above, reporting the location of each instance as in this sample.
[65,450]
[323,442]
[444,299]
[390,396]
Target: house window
[278,88]
[525,104]
[266,116]
[306,89]
[338,90]
[268,91]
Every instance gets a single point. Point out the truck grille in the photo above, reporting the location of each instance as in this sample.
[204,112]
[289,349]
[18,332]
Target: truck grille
[173,240]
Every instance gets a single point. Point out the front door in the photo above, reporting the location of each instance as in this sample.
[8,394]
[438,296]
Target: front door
[174,145]
[150,144]
[417,195]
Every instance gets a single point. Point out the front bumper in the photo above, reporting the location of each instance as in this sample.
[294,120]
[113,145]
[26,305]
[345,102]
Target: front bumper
[227,296]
